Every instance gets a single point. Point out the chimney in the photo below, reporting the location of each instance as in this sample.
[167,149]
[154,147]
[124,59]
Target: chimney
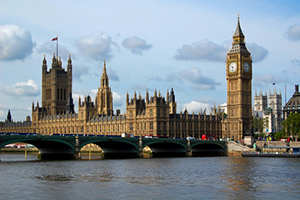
[296,88]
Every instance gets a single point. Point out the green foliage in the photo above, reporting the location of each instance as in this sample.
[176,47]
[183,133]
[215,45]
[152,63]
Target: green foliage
[279,135]
[259,124]
[291,126]
[222,113]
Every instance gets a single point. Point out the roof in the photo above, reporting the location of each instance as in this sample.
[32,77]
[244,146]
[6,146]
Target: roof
[294,102]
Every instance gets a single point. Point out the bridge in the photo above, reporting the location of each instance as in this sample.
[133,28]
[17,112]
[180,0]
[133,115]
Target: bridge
[68,146]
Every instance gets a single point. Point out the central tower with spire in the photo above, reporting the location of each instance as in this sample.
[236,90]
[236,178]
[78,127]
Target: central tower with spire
[104,99]
[239,87]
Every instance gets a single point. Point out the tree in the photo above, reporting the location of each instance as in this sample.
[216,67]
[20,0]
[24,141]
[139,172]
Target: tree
[259,124]
[291,126]
[279,135]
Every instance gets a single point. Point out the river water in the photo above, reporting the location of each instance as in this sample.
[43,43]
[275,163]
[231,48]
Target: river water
[230,177]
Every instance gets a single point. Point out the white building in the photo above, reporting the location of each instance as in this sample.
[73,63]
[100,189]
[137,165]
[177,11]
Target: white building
[270,108]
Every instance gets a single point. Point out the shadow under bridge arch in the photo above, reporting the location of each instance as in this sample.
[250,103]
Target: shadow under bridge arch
[112,148]
[208,149]
[49,148]
[166,147]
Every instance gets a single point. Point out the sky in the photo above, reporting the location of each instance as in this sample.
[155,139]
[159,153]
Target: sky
[147,45]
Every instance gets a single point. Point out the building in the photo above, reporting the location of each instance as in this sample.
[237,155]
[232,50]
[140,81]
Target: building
[152,115]
[149,115]
[239,88]
[56,86]
[270,108]
[293,105]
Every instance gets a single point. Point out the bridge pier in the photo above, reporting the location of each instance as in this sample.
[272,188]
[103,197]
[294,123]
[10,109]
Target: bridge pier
[77,155]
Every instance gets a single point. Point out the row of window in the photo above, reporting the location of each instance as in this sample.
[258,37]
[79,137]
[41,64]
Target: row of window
[160,113]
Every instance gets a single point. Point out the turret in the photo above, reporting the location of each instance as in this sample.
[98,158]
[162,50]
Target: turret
[147,96]
[127,98]
[104,95]
[44,67]
[104,77]
[167,96]
[172,103]
[8,119]
[70,105]
[54,61]
[70,74]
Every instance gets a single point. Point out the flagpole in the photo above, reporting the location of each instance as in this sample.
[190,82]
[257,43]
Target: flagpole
[57,47]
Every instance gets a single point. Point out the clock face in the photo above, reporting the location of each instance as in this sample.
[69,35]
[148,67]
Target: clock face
[232,67]
[246,67]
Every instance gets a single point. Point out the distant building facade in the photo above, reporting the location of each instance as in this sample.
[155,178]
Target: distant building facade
[270,108]
[293,104]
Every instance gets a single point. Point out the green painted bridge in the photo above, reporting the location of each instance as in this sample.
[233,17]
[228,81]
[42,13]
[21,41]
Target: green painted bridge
[68,147]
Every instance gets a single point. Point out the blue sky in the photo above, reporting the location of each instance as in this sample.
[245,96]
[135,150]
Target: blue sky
[147,44]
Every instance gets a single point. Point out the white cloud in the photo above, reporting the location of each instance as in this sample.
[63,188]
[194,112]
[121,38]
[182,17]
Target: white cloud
[140,87]
[136,45]
[50,47]
[203,87]
[195,106]
[29,88]
[293,33]
[97,46]
[203,50]
[173,78]
[270,78]
[154,78]
[112,75]
[79,71]
[258,53]
[195,76]
[2,114]
[93,93]
[15,43]
[117,99]
[296,62]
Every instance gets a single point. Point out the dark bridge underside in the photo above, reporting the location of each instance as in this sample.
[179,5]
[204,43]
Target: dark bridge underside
[51,150]
[115,149]
[207,150]
[167,150]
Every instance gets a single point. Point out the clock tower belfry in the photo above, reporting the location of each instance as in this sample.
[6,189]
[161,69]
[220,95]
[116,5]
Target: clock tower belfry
[239,87]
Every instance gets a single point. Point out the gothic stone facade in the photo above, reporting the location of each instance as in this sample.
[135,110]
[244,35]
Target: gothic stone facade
[269,107]
[152,115]
[239,88]
[155,115]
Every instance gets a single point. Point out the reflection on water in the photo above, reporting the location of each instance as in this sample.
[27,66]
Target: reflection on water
[155,178]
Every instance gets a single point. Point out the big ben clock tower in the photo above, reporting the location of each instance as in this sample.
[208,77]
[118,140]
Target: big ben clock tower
[239,87]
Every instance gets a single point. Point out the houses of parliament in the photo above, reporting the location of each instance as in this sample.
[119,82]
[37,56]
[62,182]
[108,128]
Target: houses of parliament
[154,114]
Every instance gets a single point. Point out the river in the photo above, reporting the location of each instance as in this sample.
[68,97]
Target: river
[232,177]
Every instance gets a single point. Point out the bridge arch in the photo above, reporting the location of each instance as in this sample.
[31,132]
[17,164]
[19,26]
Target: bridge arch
[49,147]
[166,148]
[208,149]
[114,146]
[39,143]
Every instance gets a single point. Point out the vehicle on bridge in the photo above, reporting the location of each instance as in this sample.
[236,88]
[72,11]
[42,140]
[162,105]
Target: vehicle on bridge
[148,136]
[127,135]
[190,138]
[162,136]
